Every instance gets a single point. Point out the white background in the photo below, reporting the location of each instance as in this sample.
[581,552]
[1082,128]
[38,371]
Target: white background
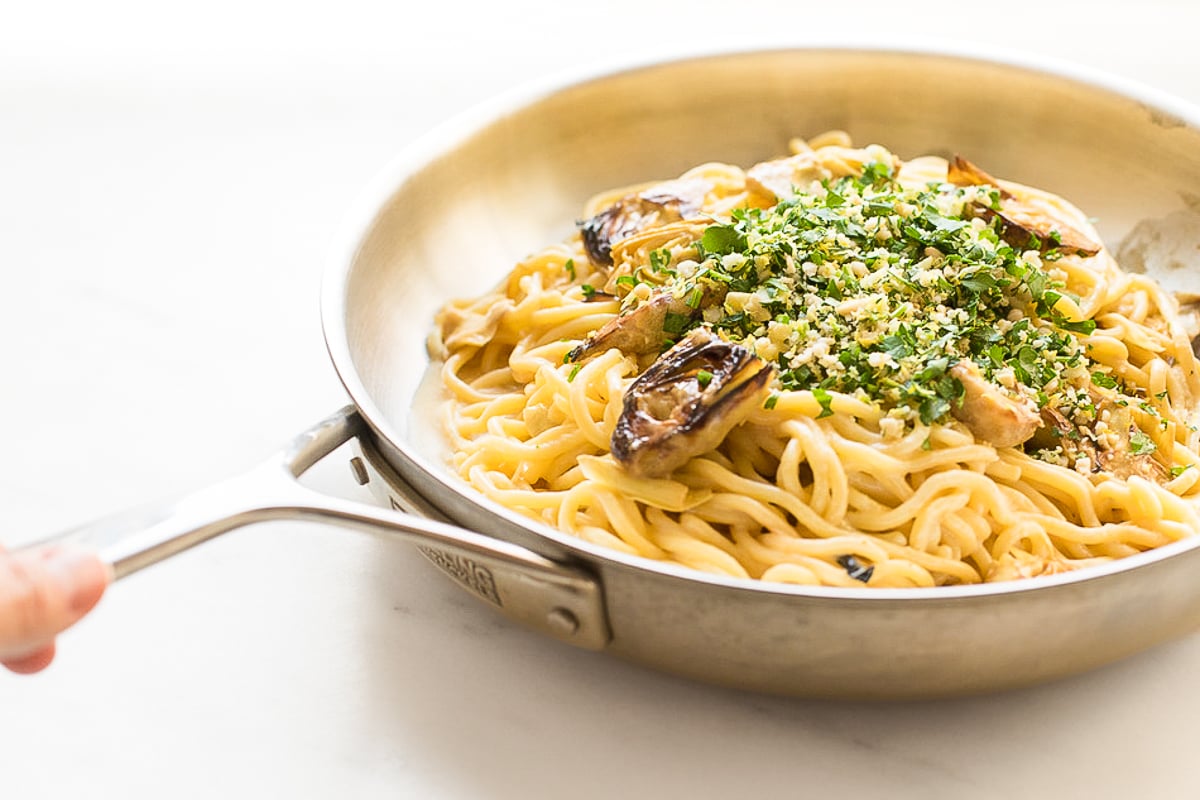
[170,178]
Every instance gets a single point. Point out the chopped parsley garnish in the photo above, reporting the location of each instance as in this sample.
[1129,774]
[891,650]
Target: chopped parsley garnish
[895,295]
[660,261]
[825,400]
[1140,444]
[722,240]
[865,287]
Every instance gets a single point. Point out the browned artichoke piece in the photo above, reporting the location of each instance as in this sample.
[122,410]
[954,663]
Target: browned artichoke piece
[662,203]
[686,403]
[609,226]
[1121,461]
[961,172]
[635,332]
[1021,223]
[990,413]
[779,178]
[1113,454]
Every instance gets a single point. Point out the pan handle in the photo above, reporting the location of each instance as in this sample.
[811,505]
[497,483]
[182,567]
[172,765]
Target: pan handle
[564,601]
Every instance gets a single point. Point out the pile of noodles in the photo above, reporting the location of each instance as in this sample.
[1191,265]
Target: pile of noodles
[811,487]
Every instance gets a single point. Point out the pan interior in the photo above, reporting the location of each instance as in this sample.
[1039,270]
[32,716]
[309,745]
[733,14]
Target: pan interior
[453,215]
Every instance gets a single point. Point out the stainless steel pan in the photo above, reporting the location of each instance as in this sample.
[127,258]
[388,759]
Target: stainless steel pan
[453,214]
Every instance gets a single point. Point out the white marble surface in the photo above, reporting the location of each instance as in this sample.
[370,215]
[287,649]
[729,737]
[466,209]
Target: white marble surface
[169,181]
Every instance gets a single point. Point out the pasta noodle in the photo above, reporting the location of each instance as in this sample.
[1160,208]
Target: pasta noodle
[832,368]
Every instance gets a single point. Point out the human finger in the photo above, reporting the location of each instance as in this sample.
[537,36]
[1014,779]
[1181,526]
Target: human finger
[43,591]
[36,661]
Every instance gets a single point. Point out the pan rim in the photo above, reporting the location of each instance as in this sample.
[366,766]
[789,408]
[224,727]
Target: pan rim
[442,139]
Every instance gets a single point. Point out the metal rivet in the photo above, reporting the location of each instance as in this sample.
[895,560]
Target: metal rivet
[562,622]
[360,471]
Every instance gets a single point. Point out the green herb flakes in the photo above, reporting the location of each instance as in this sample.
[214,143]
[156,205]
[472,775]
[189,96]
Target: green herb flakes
[868,288]
[825,401]
[1140,444]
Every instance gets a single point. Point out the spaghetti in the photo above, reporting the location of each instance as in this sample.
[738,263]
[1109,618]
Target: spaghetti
[832,368]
